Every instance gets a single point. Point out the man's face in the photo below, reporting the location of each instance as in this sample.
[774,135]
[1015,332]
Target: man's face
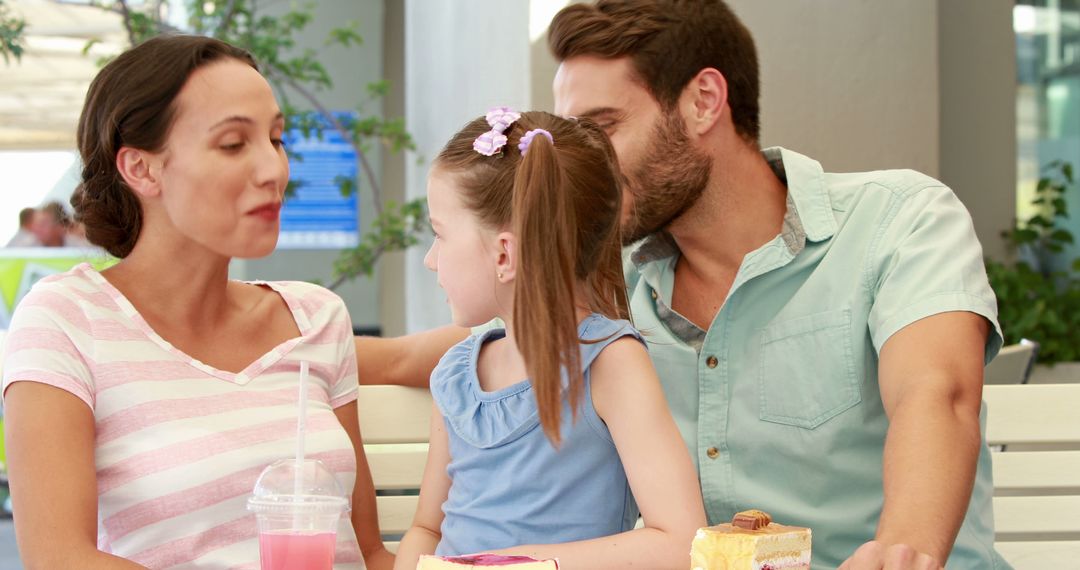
[665,172]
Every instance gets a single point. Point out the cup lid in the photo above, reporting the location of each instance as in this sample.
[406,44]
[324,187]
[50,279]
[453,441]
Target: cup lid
[276,490]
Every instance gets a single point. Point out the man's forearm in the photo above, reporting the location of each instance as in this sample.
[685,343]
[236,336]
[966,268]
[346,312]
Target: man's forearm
[931,453]
[406,360]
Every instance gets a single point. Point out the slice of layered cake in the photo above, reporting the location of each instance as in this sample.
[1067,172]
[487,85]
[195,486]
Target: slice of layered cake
[751,542]
[477,560]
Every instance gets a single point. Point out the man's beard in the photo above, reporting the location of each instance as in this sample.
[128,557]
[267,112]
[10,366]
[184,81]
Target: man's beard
[668,179]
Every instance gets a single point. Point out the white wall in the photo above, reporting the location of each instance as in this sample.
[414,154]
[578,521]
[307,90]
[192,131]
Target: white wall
[461,58]
[852,83]
[978,112]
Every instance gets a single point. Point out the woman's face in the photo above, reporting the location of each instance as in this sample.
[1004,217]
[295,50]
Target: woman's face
[223,170]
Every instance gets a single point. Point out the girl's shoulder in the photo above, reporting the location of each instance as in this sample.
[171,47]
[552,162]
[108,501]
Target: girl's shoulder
[457,368]
[597,326]
[597,332]
[481,419]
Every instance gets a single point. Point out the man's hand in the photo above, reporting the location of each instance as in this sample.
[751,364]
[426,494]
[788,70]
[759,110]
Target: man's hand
[876,556]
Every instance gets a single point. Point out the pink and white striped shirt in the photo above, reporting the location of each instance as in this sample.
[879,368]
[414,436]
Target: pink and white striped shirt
[179,444]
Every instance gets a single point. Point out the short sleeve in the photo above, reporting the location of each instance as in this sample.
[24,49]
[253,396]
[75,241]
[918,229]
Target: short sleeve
[927,260]
[41,345]
[345,386]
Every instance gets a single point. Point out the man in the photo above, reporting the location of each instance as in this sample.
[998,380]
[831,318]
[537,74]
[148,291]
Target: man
[820,337]
[50,225]
[24,237]
[53,227]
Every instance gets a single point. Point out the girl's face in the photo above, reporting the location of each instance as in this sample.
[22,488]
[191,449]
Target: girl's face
[464,254]
[223,170]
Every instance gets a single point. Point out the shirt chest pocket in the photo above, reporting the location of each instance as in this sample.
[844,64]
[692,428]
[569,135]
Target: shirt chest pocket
[807,370]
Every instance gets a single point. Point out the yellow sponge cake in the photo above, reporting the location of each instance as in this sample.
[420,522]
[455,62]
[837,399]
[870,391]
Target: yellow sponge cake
[751,541]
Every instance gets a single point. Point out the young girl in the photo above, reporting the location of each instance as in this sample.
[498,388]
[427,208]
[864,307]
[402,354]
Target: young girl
[142,402]
[544,433]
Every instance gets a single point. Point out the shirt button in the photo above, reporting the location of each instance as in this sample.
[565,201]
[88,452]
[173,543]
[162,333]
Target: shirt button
[712,452]
[654,295]
[711,362]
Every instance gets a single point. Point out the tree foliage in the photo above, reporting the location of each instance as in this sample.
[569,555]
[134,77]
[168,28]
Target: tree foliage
[12,29]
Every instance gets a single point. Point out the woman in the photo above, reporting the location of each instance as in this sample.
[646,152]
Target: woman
[143,401]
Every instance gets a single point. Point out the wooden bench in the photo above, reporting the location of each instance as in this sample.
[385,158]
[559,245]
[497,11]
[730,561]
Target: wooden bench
[394,424]
[1037,474]
[1036,477]
[1012,365]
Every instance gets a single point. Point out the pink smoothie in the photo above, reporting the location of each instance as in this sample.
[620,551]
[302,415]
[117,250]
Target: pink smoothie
[297,551]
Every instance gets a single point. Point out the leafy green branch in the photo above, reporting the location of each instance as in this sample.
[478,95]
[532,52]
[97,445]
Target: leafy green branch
[12,29]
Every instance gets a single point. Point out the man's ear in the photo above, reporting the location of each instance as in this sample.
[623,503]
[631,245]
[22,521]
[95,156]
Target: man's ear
[705,101]
[505,257]
[138,170]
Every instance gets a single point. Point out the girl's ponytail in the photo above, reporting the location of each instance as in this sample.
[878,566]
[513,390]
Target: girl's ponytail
[544,313]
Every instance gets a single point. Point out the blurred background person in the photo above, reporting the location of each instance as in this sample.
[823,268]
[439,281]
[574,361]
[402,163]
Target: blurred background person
[24,237]
[52,226]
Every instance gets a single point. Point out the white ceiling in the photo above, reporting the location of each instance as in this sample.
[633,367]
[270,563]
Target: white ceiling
[41,95]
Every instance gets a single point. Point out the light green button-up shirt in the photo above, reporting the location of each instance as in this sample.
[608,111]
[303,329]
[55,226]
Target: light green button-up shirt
[778,401]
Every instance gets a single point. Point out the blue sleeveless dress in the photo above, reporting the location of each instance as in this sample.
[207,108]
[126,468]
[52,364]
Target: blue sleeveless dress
[510,485]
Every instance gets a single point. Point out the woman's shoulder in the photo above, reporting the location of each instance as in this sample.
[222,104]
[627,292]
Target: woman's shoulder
[302,289]
[316,302]
[70,294]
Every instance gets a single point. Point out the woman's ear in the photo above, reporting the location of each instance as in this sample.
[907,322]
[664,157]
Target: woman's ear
[505,257]
[136,168]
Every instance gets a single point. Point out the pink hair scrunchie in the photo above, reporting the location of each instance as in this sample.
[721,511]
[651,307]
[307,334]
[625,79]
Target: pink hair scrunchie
[527,138]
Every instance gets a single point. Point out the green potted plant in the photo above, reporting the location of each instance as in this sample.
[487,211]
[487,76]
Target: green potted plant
[1039,292]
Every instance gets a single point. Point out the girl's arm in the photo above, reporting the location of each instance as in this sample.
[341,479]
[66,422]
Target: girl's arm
[365,516]
[49,434]
[425,533]
[627,395]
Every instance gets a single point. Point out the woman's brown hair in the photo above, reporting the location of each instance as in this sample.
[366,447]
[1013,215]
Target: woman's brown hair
[562,201]
[131,102]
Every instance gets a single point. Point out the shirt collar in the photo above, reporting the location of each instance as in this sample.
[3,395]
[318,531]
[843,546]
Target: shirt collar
[809,210]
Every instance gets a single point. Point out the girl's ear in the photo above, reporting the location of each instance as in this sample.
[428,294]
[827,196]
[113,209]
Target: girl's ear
[505,257]
[137,170]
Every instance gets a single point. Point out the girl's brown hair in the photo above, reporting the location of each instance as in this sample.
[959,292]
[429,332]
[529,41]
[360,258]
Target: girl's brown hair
[131,102]
[562,201]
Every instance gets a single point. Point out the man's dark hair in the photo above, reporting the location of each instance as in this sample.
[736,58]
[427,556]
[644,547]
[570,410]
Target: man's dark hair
[668,43]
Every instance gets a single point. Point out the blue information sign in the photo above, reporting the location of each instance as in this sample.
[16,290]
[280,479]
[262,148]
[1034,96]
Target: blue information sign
[317,216]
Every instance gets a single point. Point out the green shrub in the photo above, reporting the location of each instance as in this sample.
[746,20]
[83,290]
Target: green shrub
[1036,301]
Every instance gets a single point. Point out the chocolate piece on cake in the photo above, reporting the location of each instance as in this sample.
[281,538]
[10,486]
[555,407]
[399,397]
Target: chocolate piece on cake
[751,542]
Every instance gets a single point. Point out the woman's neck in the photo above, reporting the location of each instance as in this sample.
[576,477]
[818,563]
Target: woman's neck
[188,285]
